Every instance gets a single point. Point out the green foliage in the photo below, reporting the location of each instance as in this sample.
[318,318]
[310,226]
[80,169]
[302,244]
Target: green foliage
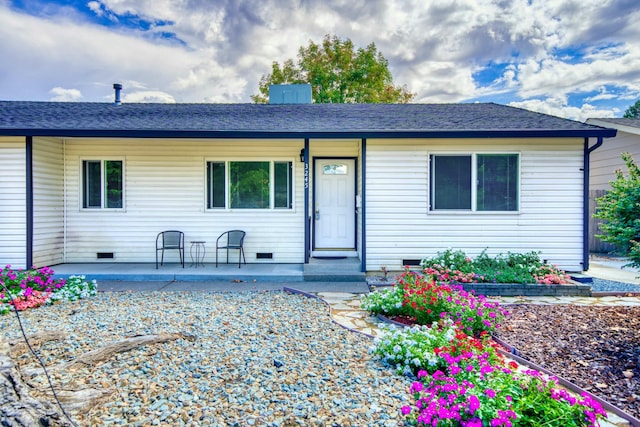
[633,112]
[454,266]
[465,381]
[421,298]
[620,207]
[338,73]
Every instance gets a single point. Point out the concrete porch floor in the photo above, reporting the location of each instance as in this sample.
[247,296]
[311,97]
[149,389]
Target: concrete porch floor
[324,270]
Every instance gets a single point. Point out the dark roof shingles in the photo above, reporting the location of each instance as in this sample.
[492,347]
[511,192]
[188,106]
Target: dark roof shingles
[283,118]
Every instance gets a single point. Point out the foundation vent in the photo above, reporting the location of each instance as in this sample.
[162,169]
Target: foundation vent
[264,255]
[104,255]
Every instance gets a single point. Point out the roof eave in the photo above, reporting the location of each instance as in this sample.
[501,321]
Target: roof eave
[261,134]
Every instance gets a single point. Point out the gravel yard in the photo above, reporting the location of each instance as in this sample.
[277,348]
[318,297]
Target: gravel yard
[259,358]
[276,359]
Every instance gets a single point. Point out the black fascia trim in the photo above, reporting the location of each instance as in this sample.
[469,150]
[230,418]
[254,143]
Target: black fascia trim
[363,208]
[29,201]
[248,134]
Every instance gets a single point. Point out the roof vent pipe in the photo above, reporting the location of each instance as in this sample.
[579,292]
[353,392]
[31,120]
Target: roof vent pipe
[118,88]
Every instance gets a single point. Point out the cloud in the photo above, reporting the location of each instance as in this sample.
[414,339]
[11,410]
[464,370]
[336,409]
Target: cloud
[65,95]
[148,96]
[536,53]
[559,107]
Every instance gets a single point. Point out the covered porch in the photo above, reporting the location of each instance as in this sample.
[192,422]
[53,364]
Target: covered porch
[317,270]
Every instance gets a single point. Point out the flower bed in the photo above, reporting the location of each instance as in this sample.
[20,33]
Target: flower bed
[25,289]
[456,267]
[422,298]
[461,379]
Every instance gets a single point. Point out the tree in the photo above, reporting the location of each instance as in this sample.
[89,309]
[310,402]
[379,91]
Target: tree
[633,112]
[338,73]
[620,207]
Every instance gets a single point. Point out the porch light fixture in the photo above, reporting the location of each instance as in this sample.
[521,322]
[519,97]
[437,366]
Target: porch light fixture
[302,155]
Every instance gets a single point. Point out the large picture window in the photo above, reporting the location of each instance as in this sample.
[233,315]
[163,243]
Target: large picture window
[495,177]
[102,184]
[249,185]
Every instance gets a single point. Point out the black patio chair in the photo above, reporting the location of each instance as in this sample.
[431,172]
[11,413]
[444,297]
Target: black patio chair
[170,239]
[233,239]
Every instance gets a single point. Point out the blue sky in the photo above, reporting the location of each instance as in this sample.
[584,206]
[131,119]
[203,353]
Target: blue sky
[574,59]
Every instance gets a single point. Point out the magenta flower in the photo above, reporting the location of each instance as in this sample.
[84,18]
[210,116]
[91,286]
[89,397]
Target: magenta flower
[406,410]
[474,404]
[491,393]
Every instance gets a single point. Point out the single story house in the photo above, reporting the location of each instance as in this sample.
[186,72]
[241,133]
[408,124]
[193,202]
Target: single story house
[604,163]
[388,184]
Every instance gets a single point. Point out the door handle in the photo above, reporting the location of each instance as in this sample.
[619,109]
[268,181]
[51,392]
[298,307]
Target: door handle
[317,214]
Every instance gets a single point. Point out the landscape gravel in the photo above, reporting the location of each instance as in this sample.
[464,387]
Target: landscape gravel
[258,358]
[602,285]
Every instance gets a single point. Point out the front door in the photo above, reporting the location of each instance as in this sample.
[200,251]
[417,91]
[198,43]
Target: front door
[335,210]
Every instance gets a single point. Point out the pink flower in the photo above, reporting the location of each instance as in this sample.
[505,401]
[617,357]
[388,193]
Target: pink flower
[406,410]
[474,404]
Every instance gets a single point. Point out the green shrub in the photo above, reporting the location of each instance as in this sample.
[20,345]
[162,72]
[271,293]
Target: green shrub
[620,207]
[454,266]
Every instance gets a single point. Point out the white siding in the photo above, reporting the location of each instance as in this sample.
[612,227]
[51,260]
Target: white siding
[13,203]
[607,159]
[165,189]
[400,226]
[48,202]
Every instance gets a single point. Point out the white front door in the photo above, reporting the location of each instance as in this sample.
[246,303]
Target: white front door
[334,210]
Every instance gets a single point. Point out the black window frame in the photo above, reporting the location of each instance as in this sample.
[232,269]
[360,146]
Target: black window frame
[463,189]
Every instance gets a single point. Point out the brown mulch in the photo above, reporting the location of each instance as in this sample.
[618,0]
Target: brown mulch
[596,348]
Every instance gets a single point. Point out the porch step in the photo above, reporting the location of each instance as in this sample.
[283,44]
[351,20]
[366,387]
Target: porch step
[333,270]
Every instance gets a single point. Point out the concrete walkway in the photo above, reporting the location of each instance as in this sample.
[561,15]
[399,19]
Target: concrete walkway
[612,268]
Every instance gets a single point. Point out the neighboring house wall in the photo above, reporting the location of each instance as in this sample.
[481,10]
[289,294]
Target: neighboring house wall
[13,229]
[604,162]
[400,225]
[165,189]
[48,202]
[607,159]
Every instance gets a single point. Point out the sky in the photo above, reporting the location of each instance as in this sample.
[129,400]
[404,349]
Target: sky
[571,58]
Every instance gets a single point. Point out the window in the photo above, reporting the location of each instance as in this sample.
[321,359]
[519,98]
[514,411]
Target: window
[249,185]
[334,169]
[102,184]
[496,177]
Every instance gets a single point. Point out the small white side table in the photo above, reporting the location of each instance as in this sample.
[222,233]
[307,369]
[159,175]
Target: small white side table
[197,252]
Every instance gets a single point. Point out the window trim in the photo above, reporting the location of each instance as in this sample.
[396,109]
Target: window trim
[474,179]
[103,188]
[272,195]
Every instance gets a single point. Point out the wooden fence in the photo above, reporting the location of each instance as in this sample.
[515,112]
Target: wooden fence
[596,245]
